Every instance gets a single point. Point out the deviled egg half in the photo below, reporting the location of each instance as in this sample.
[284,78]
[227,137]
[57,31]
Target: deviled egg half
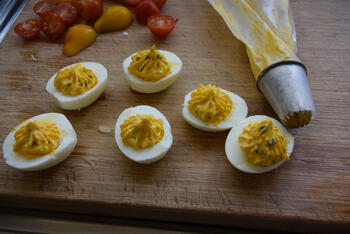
[151,71]
[258,144]
[213,109]
[143,134]
[78,85]
[39,142]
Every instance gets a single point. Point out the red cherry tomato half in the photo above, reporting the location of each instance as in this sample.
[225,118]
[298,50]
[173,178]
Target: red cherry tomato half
[52,25]
[161,25]
[159,3]
[144,10]
[90,10]
[132,2]
[66,11]
[43,7]
[28,29]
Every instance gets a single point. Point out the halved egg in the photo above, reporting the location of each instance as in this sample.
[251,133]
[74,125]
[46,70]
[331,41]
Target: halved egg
[237,113]
[151,71]
[78,88]
[40,142]
[143,134]
[239,159]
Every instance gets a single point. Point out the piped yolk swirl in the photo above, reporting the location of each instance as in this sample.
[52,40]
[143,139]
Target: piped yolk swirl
[142,131]
[263,143]
[37,138]
[75,80]
[210,104]
[149,65]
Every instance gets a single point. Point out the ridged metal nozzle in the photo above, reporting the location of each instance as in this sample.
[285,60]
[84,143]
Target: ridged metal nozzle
[286,88]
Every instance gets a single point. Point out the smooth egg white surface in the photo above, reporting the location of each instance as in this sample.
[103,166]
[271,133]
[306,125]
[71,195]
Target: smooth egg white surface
[77,102]
[148,155]
[237,157]
[68,141]
[238,113]
[143,86]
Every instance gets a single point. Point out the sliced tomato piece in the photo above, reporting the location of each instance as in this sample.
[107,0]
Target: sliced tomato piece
[52,25]
[132,2]
[66,11]
[145,9]
[161,25]
[159,3]
[28,29]
[43,7]
[90,10]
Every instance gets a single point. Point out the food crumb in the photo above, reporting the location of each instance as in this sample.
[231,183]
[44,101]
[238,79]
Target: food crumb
[29,55]
[34,57]
[125,33]
[104,129]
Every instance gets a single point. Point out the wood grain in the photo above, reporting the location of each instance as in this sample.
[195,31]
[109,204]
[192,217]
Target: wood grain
[194,182]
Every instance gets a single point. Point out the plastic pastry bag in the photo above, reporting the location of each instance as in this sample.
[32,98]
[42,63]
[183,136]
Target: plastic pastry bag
[264,26]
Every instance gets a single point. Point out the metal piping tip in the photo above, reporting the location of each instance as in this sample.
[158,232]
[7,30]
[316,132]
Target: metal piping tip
[286,88]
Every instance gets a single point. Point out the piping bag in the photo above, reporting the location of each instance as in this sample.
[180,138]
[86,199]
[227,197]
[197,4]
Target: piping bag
[266,27]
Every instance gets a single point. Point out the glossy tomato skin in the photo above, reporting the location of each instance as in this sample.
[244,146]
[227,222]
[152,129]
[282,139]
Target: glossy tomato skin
[66,11]
[159,3]
[90,10]
[52,25]
[44,6]
[161,25]
[132,2]
[28,29]
[145,9]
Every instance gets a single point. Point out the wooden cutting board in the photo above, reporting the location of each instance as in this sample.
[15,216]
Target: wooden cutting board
[194,183]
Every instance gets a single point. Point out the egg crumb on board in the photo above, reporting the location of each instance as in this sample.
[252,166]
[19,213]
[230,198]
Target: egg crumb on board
[213,109]
[143,134]
[40,142]
[104,129]
[78,85]
[151,71]
[258,144]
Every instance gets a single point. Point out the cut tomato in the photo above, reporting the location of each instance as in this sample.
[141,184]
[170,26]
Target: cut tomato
[52,25]
[66,11]
[161,25]
[145,9]
[90,10]
[28,29]
[43,7]
[132,2]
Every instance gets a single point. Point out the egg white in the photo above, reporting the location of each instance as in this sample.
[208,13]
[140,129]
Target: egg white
[148,155]
[237,157]
[77,102]
[238,113]
[68,141]
[143,86]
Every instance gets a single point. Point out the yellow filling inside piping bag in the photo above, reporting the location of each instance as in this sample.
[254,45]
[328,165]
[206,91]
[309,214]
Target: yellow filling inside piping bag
[267,40]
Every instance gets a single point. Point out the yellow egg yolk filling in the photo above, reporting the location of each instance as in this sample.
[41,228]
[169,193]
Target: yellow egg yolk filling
[142,131]
[149,65]
[210,104]
[75,80]
[263,143]
[37,138]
